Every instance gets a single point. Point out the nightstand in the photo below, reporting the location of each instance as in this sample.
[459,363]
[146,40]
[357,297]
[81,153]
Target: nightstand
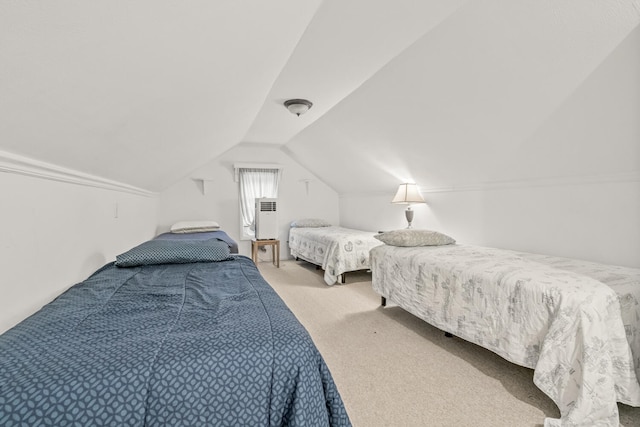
[275,250]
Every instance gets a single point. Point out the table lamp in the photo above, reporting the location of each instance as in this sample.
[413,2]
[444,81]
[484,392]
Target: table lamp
[406,195]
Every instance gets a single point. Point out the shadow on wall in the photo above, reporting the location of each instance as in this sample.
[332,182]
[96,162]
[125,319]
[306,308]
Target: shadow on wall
[91,264]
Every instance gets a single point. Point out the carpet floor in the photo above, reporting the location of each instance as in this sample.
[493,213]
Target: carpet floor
[393,369]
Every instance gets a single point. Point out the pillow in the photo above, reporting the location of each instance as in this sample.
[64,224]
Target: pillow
[194,226]
[310,222]
[174,252]
[410,237]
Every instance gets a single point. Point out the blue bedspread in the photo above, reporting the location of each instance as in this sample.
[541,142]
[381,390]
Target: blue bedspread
[170,345]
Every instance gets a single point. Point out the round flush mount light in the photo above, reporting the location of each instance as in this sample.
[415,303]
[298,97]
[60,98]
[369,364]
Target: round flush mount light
[298,106]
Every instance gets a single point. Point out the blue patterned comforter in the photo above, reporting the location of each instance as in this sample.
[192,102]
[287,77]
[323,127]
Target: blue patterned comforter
[168,345]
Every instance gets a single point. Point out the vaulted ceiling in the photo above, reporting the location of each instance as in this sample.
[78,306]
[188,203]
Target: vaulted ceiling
[444,92]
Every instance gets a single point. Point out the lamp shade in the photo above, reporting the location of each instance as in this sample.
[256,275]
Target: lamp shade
[407,194]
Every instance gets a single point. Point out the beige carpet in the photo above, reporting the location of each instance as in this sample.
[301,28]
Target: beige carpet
[393,369]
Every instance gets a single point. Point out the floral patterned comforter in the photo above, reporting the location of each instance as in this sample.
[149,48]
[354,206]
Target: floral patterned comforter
[336,249]
[576,323]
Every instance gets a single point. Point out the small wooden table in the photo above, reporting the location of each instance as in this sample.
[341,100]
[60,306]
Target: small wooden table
[275,250]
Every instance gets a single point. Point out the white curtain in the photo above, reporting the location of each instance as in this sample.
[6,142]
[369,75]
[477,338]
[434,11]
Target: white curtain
[255,183]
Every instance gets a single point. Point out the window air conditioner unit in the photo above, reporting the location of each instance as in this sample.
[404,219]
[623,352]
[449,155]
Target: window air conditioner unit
[266,218]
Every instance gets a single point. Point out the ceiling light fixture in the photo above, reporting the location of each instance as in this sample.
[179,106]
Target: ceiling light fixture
[298,106]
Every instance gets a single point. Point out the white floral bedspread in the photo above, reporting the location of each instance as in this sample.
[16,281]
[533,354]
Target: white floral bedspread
[576,323]
[336,249]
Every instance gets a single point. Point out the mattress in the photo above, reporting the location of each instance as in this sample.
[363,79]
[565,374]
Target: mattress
[336,249]
[203,343]
[575,323]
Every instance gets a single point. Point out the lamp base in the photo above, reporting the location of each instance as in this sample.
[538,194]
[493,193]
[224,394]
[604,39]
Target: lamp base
[409,215]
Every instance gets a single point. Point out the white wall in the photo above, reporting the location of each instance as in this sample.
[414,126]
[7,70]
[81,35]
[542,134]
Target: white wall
[186,200]
[596,221]
[56,234]
[571,188]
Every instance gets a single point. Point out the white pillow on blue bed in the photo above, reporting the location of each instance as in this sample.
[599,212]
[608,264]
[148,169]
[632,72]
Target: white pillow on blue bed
[411,237]
[156,252]
[194,226]
[310,223]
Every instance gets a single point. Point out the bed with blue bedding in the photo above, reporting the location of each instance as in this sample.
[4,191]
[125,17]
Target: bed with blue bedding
[174,334]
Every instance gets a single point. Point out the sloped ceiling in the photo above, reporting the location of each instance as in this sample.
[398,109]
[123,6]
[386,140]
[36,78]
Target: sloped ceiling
[142,91]
[456,107]
[440,92]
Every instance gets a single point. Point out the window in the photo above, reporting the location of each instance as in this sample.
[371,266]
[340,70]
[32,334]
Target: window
[256,181]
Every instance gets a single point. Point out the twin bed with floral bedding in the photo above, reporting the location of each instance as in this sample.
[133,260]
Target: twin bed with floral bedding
[175,332]
[337,250]
[576,323]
